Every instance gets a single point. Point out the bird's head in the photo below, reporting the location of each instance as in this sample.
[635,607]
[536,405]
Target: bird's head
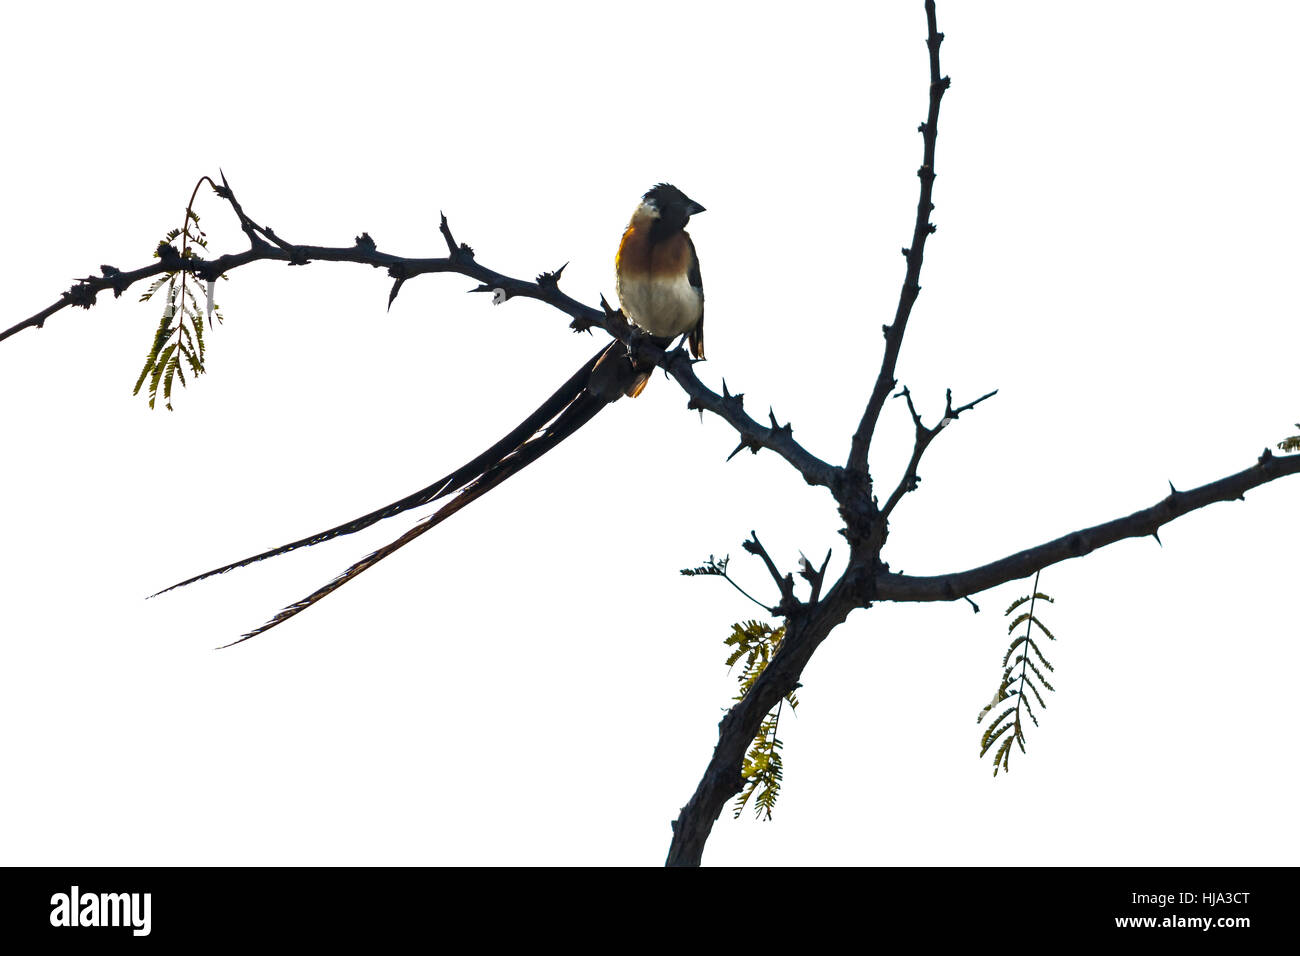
[669,207]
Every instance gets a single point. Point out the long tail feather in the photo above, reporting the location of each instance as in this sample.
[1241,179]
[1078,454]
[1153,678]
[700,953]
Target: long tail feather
[562,398]
[580,411]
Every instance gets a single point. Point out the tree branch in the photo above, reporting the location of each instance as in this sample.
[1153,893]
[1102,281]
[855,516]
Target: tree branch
[784,584]
[885,380]
[722,779]
[264,244]
[924,436]
[950,587]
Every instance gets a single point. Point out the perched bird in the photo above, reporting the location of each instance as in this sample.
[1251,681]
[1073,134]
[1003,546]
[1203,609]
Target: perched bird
[661,294]
[659,284]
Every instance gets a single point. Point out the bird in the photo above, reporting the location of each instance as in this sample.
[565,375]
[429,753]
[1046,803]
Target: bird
[658,271]
[661,295]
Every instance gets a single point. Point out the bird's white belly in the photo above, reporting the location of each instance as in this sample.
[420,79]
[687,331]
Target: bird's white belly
[661,307]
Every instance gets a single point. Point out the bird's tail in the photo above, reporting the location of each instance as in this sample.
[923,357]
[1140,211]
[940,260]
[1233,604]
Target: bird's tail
[446,485]
[606,376]
[583,408]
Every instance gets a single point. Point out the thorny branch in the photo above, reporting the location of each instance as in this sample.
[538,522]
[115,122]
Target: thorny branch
[915,254]
[264,244]
[1148,521]
[808,624]
[924,436]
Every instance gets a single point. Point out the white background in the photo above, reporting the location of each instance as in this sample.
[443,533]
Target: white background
[533,682]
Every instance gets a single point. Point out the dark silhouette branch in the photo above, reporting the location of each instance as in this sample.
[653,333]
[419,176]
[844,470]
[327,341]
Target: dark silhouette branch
[915,253]
[951,587]
[784,583]
[924,436]
[265,245]
[722,780]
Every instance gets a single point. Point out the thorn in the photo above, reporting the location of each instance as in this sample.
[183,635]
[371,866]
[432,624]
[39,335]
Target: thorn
[551,279]
[1156,535]
[445,229]
[1172,490]
[745,442]
[397,286]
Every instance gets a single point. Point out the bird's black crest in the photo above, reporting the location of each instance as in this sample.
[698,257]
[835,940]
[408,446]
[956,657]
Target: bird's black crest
[675,208]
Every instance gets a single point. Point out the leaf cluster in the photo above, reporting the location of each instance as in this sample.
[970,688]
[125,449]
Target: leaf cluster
[1290,443]
[1027,659]
[178,342]
[757,643]
[714,566]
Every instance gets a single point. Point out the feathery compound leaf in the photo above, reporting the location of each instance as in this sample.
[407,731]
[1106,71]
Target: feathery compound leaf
[1014,644]
[1046,662]
[758,643]
[182,307]
[1028,681]
[1041,679]
[155,285]
[1009,719]
[709,567]
[998,698]
[1028,709]
[1039,624]
[991,735]
[1002,757]
[1036,596]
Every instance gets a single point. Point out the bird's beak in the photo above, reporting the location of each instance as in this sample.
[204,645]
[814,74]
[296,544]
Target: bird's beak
[694,207]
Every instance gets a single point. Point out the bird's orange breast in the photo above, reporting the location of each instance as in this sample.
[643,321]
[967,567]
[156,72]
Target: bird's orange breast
[639,258]
[654,289]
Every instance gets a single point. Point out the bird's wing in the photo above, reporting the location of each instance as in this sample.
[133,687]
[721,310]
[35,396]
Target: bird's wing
[448,484]
[693,276]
